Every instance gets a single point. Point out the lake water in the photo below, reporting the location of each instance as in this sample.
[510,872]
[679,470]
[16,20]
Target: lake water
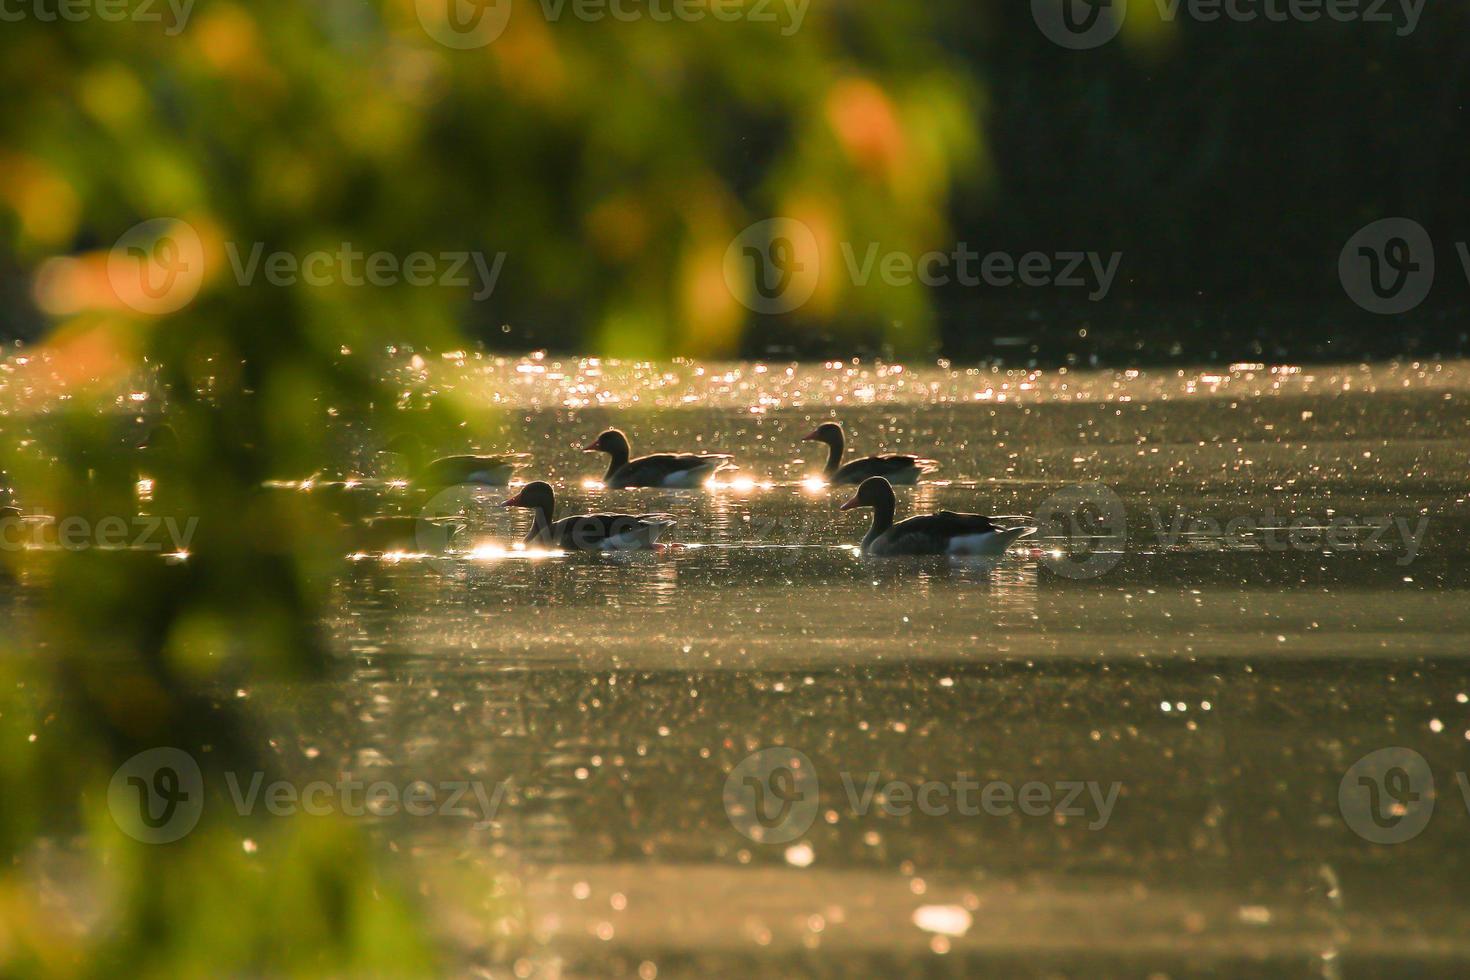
[1244,581]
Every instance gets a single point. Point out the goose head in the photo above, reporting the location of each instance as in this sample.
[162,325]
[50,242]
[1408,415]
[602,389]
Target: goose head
[828,432]
[873,492]
[613,442]
[535,496]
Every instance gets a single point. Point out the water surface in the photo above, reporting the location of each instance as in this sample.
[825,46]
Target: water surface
[1278,589]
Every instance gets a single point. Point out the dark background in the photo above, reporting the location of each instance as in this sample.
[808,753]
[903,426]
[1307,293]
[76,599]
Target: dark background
[1228,162]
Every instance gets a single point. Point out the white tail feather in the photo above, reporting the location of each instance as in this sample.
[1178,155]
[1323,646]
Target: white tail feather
[989,543]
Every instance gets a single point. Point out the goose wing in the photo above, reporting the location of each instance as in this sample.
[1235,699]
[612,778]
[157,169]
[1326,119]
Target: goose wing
[652,471]
[447,470]
[595,532]
[885,466]
[931,534]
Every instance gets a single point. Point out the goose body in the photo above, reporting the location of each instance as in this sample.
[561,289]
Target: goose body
[675,471]
[944,533]
[586,532]
[893,467]
[493,470]
[489,471]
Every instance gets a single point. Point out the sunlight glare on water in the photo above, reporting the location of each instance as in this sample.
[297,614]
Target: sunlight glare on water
[1280,589]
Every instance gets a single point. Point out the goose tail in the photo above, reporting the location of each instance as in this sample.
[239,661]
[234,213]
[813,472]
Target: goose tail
[991,543]
[650,528]
[1009,536]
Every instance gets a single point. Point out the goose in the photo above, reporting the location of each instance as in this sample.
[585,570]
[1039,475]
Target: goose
[586,532]
[490,471]
[895,468]
[944,533]
[671,470]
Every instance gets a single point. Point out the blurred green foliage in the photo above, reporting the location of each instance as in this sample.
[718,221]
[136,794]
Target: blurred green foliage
[612,162]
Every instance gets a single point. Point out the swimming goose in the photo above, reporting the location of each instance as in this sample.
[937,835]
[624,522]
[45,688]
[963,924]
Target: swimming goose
[586,532]
[447,471]
[672,470]
[489,471]
[944,533]
[895,468]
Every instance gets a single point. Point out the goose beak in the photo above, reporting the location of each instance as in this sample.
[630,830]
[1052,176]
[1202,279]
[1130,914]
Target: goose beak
[512,502]
[810,436]
[851,504]
[591,447]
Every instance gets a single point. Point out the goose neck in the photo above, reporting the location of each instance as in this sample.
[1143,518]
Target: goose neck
[882,521]
[834,455]
[540,524]
[618,461]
